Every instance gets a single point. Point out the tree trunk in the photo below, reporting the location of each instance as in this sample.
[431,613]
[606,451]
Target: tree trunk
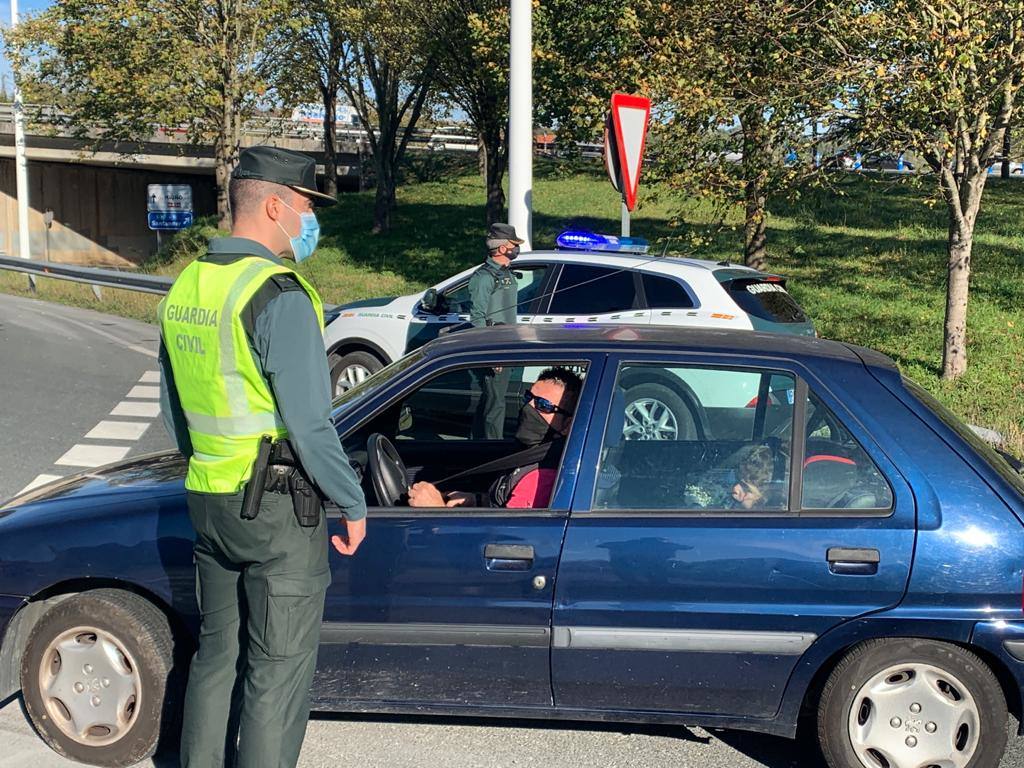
[384,201]
[963,211]
[1005,170]
[495,161]
[331,140]
[755,250]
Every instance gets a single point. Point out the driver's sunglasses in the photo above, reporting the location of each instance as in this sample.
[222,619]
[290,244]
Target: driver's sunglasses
[543,405]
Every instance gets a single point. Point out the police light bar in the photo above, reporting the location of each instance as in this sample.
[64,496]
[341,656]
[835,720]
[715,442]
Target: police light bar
[579,240]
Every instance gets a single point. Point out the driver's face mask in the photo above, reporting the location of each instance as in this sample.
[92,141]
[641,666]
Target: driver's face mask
[533,429]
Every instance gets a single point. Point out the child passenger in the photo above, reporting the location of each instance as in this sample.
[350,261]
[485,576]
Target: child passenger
[754,474]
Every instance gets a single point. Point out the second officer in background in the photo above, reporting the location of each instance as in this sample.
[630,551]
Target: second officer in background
[493,294]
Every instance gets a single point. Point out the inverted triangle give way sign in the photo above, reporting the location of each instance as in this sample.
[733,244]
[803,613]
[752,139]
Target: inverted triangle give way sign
[630,117]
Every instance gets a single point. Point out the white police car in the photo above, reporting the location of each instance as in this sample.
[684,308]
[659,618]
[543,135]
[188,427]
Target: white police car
[590,279]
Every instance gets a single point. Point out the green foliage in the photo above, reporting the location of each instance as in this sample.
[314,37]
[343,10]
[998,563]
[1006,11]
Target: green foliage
[121,66]
[740,87]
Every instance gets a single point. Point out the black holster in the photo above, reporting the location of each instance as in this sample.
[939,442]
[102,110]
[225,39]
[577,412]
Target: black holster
[288,477]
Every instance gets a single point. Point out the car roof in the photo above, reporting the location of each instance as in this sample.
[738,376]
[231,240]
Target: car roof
[633,260]
[638,338]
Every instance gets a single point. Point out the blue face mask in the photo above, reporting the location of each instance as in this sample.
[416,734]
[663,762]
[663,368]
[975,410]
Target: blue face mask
[304,243]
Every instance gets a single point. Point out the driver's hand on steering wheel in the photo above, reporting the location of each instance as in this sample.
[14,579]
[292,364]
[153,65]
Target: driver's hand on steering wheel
[424,494]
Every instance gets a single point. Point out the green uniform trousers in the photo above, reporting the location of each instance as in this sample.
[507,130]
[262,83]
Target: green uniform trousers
[489,421]
[260,585]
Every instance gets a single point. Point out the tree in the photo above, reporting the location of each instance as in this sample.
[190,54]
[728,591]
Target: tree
[472,73]
[388,67]
[943,78]
[315,71]
[745,90]
[118,68]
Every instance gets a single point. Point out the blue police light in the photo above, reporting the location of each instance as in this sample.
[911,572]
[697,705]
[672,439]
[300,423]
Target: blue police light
[580,240]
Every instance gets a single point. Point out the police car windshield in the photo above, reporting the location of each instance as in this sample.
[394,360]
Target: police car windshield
[345,400]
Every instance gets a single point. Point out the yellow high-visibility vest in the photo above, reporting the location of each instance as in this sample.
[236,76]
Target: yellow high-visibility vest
[227,402]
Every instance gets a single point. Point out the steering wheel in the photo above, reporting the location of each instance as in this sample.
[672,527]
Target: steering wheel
[387,471]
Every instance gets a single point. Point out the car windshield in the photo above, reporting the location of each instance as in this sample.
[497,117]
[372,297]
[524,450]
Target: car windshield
[982,448]
[357,393]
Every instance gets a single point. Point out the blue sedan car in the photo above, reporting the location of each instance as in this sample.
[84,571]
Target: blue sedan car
[744,531]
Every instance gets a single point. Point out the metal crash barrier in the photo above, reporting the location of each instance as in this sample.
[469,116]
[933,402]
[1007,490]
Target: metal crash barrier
[97,277]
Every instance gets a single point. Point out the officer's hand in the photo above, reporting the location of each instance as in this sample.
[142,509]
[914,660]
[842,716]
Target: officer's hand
[356,532]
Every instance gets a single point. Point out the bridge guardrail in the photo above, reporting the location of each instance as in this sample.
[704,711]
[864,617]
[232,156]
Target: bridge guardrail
[96,276]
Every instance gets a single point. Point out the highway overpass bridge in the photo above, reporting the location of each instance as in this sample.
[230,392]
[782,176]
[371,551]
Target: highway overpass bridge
[96,190]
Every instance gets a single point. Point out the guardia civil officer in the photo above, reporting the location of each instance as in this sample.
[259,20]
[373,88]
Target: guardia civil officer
[493,294]
[243,365]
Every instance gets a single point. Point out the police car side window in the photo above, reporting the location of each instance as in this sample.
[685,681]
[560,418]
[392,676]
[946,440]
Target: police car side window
[665,293]
[584,290]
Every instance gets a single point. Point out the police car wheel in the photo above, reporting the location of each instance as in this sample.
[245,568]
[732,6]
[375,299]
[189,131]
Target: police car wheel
[656,412]
[349,370]
[97,678]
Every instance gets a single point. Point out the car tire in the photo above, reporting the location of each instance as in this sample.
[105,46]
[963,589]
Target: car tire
[657,412]
[105,657]
[957,710]
[350,369]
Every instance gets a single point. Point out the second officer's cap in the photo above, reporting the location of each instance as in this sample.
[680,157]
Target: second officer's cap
[501,233]
[281,166]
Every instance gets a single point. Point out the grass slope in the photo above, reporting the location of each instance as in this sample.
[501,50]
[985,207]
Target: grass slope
[866,259]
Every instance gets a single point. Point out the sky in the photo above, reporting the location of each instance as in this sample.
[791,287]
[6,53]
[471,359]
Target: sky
[24,6]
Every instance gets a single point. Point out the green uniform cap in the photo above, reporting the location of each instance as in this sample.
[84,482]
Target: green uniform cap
[281,166]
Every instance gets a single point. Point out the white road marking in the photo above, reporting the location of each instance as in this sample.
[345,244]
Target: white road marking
[149,393]
[118,430]
[93,455]
[40,480]
[150,377]
[136,408]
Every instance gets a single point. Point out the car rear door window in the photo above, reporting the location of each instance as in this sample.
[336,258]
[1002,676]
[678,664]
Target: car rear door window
[584,290]
[837,471]
[697,439]
[665,293]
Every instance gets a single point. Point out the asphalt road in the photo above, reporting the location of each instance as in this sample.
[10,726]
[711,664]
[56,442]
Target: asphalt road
[70,382]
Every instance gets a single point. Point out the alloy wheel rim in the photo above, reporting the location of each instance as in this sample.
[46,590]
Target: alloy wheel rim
[350,376]
[650,419]
[90,686]
[914,716]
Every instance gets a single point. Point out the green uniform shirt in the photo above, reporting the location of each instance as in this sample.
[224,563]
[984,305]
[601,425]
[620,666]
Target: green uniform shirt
[493,292]
[287,346]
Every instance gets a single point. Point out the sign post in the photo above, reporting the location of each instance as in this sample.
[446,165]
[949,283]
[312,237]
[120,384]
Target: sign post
[168,207]
[520,120]
[625,138]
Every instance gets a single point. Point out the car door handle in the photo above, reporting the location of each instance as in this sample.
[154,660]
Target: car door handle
[847,561]
[508,557]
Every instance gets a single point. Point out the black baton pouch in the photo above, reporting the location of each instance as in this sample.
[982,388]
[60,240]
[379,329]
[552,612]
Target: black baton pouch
[305,500]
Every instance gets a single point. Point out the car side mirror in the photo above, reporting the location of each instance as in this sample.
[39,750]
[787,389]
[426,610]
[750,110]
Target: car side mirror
[430,300]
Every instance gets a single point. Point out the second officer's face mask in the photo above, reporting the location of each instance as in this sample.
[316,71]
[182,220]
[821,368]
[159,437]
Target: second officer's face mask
[304,243]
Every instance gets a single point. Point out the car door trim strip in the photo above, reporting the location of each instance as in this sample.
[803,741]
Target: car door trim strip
[417,633]
[689,640]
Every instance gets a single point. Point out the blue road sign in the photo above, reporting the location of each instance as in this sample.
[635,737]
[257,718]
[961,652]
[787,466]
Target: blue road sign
[169,219]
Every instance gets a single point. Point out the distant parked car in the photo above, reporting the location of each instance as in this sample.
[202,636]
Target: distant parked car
[886,163]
